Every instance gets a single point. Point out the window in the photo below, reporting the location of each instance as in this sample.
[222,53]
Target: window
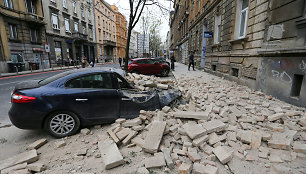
[17,57]
[30,6]
[217,29]
[55,21]
[76,26]
[8,4]
[101,81]
[88,15]
[90,32]
[103,35]
[82,12]
[74,6]
[64,4]
[13,32]
[98,20]
[52,1]
[67,25]
[296,85]
[99,34]
[243,15]
[84,29]
[34,35]
[235,72]
[100,50]
[103,24]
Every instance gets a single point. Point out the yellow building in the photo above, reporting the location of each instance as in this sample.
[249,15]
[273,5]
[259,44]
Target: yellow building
[22,35]
[105,30]
[121,32]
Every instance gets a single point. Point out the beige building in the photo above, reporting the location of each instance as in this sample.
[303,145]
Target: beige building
[105,30]
[22,35]
[70,30]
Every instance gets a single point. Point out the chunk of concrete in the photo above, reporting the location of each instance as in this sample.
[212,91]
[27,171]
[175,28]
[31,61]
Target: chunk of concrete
[22,171]
[184,168]
[169,161]
[113,136]
[154,136]
[36,167]
[131,123]
[209,169]
[299,147]
[200,140]
[156,161]
[110,154]
[194,130]
[282,140]
[198,168]
[123,133]
[162,86]
[222,154]
[214,126]
[214,138]
[256,139]
[138,141]
[28,157]
[127,139]
[142,170]
[276,116]
[37,144]
[190,114]
[59,144]
[85,131]
[14,168]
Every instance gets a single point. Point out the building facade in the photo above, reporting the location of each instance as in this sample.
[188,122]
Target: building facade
[133,45]
[22,36]
[143,45]
[70,31]
[243,40]
[121,32]
[106,30]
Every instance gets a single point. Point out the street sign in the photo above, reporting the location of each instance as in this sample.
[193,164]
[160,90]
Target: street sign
[47,48]
[208,34]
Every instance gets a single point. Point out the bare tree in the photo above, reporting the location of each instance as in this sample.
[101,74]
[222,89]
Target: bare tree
[136,9]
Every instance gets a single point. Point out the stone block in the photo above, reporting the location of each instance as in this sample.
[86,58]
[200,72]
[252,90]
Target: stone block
[22,171]
[14,168]
[166,109]
[110,154]
[282,140]
[82,152]
[206,149]
[154,136]
[142,170]
[246,137]
[200,140]
[120,120]
[235,111]
[222,154]
[28,157]
[276,116]
[59,144]
[169,161]
[85,131]
[190,114]
[131,123]
[209,169]
[214,126]
[299,147]
[256,139]
[36,167]
[184,168]
[127,139]
[193,156]
[113,136]
[198,168]
[156,161]
[194,130]
[138,141]
[162,86]
[123,133]
[37,144]
[214,138]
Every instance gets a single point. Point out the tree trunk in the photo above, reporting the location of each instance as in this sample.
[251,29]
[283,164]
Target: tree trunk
[127,48]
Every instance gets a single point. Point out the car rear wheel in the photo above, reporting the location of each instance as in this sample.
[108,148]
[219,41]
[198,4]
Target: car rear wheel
[164,72]
[62,124]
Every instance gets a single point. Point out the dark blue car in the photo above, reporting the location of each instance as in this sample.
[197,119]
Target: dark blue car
[63,103]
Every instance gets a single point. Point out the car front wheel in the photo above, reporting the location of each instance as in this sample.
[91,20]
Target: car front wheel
[62,124]
[164,72]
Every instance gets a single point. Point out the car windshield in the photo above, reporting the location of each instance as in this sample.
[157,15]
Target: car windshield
[130,62]
[53,78]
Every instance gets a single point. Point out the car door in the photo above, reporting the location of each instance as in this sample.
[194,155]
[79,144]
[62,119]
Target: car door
[99,96]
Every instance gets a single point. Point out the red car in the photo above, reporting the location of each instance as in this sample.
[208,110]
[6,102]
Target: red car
[148,66]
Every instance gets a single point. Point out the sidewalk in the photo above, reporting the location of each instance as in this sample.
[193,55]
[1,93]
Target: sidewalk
[181,70]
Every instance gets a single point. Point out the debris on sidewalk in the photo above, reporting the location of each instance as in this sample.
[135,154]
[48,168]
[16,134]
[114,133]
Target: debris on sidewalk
[218,127]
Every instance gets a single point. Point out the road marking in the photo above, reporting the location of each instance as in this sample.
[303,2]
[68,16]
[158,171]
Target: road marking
[29,74]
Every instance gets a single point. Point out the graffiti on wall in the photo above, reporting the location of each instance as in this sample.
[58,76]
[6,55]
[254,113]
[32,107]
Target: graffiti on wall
[283,64]
[303,66]
[282,76]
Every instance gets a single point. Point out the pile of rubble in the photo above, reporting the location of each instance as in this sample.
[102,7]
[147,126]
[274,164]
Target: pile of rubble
[145,83]
[222,128]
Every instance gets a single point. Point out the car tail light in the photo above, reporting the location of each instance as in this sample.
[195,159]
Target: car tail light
[17,98]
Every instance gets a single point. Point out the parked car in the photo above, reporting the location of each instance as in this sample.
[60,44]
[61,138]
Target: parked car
[148,66]
[61,104]
[161,60]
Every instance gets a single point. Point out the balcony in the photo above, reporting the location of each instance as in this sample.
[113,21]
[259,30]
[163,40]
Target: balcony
[34,18]
[79,36]
[109,43]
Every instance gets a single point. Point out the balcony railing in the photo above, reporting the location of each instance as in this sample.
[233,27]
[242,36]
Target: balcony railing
[34,18]
[109,43]
[80,36]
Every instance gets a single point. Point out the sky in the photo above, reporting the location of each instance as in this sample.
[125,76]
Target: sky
[123,6]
